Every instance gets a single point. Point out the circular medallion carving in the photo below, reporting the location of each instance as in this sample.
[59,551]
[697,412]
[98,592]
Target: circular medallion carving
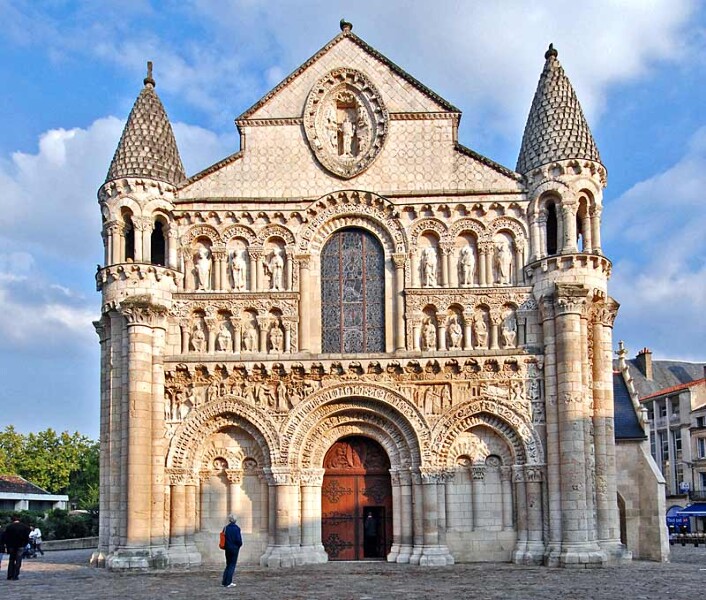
[345,122]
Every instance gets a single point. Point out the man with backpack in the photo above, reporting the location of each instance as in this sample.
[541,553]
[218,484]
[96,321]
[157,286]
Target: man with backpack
[231,541]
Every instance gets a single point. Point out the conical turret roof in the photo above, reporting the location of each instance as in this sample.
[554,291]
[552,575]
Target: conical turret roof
[147,147]
[556,128]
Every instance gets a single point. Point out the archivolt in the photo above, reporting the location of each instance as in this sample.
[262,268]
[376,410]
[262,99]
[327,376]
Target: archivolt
[275,231]
[502,418]
[239,231]
[339,426]
[387,406]
[353,209]
[214,416]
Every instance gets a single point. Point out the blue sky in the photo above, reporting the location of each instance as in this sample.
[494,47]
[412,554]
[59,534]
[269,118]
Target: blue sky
[72,69]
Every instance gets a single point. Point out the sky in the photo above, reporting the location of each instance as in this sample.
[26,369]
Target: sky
[71,70]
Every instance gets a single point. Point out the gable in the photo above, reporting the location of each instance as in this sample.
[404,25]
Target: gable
[400,91]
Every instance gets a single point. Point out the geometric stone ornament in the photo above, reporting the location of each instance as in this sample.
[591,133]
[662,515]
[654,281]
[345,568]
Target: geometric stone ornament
[345,122]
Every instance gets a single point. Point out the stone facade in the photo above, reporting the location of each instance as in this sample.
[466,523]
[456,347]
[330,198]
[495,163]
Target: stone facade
[354,273]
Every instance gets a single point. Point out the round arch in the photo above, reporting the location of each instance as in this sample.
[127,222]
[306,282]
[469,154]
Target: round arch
[503,419]
[387,405]
[212,417]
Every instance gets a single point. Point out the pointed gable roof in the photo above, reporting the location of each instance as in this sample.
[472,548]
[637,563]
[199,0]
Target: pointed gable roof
[347,34]
[556,128]
[147,147]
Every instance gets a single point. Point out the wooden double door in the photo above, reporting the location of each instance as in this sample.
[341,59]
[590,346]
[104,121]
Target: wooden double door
[356,501]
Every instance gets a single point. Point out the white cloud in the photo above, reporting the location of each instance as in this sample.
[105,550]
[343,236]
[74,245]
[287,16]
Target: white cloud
[659,226]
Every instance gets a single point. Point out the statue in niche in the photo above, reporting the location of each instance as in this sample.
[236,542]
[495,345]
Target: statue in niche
[212,392]
[429,335]
[203,269]
[467,266]
[331,125]
[223,339]
[503,262]
[455,333]
[480,330]
[275,268]
[238,270]
[282,396]
[250,338]
[509,330]
[347,135]
[187,404]
[198,338]
[277,338]
[429,267]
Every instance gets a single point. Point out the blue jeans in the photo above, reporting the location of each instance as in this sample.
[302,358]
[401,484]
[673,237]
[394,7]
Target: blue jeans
[231,560]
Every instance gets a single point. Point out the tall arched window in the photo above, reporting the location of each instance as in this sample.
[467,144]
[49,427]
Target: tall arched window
[129,237]
[353,293]
[552,229]
[158,244]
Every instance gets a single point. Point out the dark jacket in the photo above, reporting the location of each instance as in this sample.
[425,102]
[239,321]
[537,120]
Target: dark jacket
[233,538]
[16,535]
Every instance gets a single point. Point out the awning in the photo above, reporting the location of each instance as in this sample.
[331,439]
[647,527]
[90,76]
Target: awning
[695,510]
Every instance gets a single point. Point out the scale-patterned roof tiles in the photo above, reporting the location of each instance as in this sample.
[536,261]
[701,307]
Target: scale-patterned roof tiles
[556,127]
[147,147]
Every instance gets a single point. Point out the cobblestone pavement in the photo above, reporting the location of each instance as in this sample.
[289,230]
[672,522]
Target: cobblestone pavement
[66,576]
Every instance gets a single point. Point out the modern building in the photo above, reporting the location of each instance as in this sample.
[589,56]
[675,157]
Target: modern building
[16,493]
[673,394]
[354,317]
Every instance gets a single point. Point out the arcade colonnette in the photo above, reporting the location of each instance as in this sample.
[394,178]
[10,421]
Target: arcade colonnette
[361,337]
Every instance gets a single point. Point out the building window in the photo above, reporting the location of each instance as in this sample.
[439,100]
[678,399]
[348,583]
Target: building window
[353,293]
[703,481]
[650,412]
[676,440]
[653,445]
[701,447]
[662,407]
[700,421]
[674,407]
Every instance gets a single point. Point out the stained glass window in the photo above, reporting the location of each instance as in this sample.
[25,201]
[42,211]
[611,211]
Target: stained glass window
[353,293]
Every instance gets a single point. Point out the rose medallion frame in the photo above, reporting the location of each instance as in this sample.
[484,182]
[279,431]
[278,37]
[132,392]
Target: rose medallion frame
[345,122]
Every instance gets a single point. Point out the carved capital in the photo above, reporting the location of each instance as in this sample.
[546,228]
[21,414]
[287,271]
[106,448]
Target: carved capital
[102,328]
[139,310]
[478,472]
[534,474]
[279,475]
[142,223]
[399,260]
[429,475]
[312,477]
[605,312]
[570,299]
[304,261]
[234,475]
[176,476]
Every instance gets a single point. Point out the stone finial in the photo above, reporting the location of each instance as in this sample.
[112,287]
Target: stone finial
[148,80]
[551,52]
[346,27]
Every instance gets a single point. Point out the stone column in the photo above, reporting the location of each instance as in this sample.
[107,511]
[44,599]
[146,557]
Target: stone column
[312,550]
[496,319]
[254,259]
[189,282]
[608,524]
[288,271]
[304,301]
[535,236]
[489,256]
[482,264]
[194,556]
[433,554]
[263,324]
[414,269]
[417,333]
[235,480]
[158,444]
[445,252]
[139,226]
[103,330]
[519,555]
[118,451]
[568,213]
[577,547]
[211,333]
[542,226]
[399,261]
[535,534]
[406,512]
[260,266]
[506,487]
[172,236]
[519,262]
[219,268]
[178,554]
[396,516]
[595,213]
[446,477]
[441,332]
[553,457]
[140,317]
[468,329]
[237,334]
[285,552]
[417,518]
[477,477]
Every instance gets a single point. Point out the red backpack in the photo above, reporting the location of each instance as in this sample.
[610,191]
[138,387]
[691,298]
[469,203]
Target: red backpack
[222,539]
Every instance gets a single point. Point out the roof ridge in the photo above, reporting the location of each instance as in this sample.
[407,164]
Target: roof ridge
[370,50]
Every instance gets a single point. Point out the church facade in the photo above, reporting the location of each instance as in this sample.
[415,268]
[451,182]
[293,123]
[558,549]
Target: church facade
[361,337]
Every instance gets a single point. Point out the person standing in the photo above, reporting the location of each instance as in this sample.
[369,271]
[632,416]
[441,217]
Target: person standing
[233,543]
[15,539]
[35,538]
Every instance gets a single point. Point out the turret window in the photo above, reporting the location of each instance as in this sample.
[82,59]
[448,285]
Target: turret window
[552,229]
[158,244]
[129,238]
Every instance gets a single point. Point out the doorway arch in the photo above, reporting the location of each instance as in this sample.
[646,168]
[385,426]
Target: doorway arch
[356,500]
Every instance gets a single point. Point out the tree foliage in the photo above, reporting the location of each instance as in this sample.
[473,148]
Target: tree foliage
[61,463]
